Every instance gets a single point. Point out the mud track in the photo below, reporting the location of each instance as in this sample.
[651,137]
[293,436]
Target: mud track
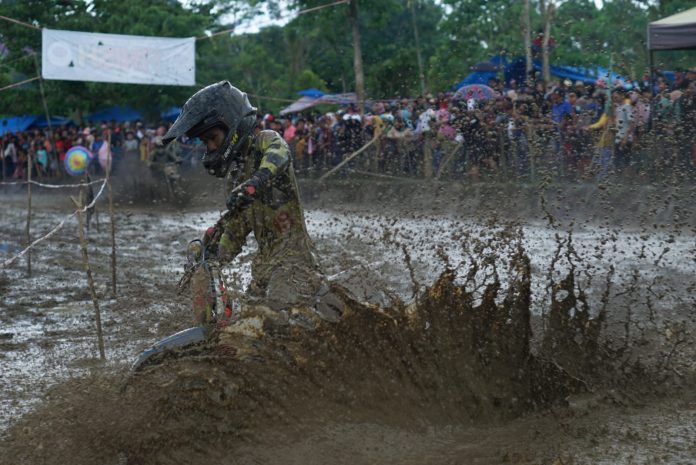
[519,352]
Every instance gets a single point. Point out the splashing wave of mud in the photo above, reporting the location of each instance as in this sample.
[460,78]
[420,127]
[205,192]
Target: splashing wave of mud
[461,353]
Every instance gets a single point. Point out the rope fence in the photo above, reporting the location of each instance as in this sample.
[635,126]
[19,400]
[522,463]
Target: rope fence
[60,225]
[51,186]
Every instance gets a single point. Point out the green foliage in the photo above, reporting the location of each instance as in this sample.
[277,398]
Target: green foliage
[155,17]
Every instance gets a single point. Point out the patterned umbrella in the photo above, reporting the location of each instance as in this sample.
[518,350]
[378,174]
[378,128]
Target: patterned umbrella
[103,154]
[77,159]
[474,91]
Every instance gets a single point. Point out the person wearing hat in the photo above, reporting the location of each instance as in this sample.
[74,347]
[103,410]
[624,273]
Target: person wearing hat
[263,198]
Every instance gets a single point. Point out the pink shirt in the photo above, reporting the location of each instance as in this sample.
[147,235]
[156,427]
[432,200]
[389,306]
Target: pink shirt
[289,133]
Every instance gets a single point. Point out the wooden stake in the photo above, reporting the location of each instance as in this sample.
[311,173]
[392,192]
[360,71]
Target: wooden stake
[28,228]
[111,215]
[90,281]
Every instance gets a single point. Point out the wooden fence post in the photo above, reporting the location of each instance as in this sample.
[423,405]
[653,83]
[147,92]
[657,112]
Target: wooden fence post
[111,215]
[28,227]
[90,281]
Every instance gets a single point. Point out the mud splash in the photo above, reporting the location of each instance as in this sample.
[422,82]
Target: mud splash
[404,380]
[460,354]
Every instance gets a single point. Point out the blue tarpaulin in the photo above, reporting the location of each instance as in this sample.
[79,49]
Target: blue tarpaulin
[311,92]
[515,69]
[40,122]
[171,113]
[477,77]
[116,113]
[14,124]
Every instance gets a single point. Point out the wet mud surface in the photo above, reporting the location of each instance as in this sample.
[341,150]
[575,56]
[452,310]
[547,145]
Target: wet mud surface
[469,338]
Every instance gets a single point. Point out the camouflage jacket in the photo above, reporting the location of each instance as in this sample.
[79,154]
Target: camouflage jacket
[275,217]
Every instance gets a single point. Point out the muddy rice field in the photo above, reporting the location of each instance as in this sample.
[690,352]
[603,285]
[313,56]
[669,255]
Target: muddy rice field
[484,325]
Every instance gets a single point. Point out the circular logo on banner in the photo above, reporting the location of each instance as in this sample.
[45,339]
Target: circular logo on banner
[59,54]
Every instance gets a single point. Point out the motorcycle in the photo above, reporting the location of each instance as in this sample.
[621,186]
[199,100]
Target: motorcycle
[213,305]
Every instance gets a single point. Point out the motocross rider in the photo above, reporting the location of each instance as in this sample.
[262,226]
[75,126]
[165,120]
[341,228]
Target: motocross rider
[262,197]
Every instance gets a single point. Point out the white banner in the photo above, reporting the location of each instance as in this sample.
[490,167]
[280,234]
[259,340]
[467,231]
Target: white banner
[87,56]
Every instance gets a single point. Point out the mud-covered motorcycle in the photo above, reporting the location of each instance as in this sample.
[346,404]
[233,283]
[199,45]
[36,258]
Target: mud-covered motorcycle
[213,305]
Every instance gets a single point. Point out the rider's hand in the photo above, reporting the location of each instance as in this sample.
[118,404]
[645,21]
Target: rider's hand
[243,196]
[239,200]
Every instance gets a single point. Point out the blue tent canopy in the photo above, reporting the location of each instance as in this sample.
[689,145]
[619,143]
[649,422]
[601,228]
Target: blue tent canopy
[115,113]
[171,113]
[477,77]
[311,92]
[515,69]
[15,124]
[41,122]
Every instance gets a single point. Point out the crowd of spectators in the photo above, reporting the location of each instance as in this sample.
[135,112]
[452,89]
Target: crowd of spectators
[569,129]
[130,142]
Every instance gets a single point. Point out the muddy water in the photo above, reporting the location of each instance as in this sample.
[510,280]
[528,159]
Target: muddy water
[49,339]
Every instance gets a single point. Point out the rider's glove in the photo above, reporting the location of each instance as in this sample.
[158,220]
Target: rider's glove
[249,191]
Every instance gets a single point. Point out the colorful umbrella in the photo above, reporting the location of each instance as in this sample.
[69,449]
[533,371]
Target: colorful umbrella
[104,156]
[77,159]
[474,91]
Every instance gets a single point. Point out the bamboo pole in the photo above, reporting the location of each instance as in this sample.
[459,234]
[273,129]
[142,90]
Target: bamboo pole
[349,158]
[53,153]
[111,217]
[448,158]
[28,227]
[88,270]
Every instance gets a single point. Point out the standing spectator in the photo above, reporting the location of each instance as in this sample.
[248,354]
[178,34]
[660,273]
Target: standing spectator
[288,131]
[641,114]
[397,149]
[41,160]
[324,142]
[520,139]
[563,119]
[687,142]
[428,138]
[301,140]
[624,130]
[405,110]
[10,154]
[605,143]
[353,129]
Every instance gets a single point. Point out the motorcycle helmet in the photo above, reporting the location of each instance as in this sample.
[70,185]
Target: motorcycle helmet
[217,105]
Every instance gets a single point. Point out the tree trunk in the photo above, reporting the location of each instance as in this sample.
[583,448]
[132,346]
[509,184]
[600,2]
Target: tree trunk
[527,31]
[548,8]
[421,73]
[357,57]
